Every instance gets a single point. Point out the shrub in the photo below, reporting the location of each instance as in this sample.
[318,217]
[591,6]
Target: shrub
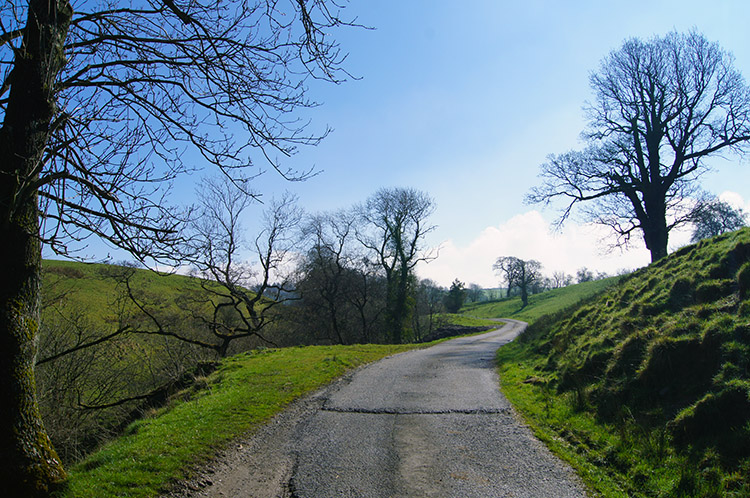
[678,367]
[711,291]
[628,356]
[681,293]
[64,271]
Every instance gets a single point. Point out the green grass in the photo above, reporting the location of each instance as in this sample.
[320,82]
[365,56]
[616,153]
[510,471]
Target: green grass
[243,393]
[539,304]
[92,287]
[553,419]
[645,388]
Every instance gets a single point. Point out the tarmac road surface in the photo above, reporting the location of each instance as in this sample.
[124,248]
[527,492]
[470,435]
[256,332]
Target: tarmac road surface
[431,422]
[425,423]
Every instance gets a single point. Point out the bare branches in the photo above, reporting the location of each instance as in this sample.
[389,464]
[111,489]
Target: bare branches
[157,88]
[519,273]
[184,17]
[83,345]
[398,217]
[661,107]
[238,300]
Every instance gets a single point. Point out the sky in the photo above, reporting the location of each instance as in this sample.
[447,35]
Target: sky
[464,101]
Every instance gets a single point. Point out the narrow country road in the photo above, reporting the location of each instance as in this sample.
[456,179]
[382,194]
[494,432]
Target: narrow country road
[431,422]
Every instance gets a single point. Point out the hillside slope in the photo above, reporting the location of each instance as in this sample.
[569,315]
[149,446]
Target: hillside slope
[539,304]
[103,362]
[94,286]
[650,381]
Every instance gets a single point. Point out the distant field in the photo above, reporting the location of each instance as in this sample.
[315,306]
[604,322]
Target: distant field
[539,304]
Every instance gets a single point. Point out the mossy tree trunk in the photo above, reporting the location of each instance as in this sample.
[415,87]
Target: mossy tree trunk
[29,466]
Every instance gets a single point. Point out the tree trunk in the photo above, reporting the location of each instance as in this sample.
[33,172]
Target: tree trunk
[655,232]
[524,284]
[400,309]
[657,245]
[334,321]
[396,307]
[393,314]
[29,466]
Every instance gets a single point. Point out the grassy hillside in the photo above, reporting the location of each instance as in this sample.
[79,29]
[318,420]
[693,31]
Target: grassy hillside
[646,388]
[539,304]
[94,286]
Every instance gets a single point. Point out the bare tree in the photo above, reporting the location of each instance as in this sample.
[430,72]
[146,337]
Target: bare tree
[584,275]
[507,268]
[475,293]
[714,217]
[325,273]
[100,110]
[395,227]
[241,297]
[366,292]
[560,279]
[428,303]
[519,273]
[661,107]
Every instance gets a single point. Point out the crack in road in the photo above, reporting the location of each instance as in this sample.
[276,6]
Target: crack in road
[389,411]
[431,422]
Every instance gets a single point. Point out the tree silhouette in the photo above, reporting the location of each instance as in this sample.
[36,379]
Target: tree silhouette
[661,107]
[395,223]
[714,217]
[455,297]
[519,273]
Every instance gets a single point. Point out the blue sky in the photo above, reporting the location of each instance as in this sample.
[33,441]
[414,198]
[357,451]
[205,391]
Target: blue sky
[464,100]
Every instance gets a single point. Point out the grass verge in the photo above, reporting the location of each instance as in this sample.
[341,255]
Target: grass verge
[246,391]
[554,420]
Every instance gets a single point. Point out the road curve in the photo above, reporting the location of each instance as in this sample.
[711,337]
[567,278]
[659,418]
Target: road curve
[430,422]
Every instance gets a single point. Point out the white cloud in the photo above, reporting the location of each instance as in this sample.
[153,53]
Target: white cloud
[529,236]
[735,200]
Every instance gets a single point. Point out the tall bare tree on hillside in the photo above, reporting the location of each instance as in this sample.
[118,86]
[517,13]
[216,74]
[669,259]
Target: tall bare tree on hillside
[661,108]
[102,105]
